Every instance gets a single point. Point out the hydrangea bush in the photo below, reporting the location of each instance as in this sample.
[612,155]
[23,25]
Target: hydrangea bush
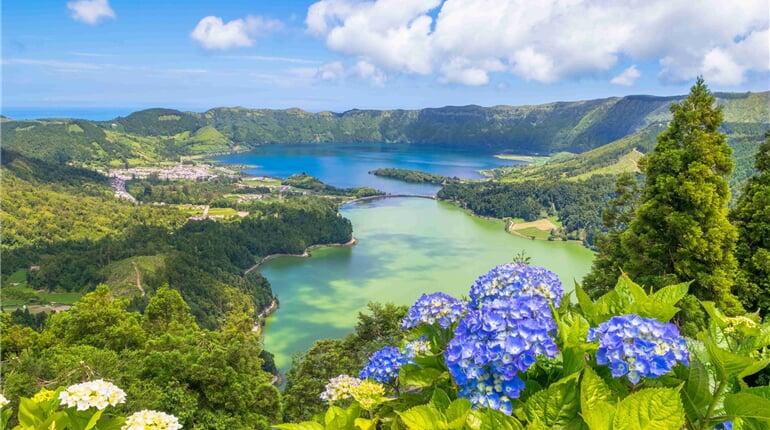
[83,406]
[518,353]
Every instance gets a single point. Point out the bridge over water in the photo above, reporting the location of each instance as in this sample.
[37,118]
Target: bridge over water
[387,196]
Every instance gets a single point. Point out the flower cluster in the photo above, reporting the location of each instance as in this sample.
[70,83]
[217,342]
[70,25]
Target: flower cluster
[417,347]
[635,347]
[434,308]
[515,280]
[384,365]
[93,394]
[3,401]
[368,394]
[151,420]
[493,344]
[340,388]
[43,396]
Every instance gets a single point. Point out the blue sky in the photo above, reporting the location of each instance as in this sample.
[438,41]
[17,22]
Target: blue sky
[344,54]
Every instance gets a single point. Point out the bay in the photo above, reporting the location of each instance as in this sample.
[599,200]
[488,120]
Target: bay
[407,246]
[348,165]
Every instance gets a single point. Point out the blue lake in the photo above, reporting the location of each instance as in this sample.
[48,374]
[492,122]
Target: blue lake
[407,246]
[348,165]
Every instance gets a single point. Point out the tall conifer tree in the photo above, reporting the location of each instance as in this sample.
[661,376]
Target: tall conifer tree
[681,231]
[752,218]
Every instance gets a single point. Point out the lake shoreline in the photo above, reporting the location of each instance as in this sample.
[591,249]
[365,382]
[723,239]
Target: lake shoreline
[304,254]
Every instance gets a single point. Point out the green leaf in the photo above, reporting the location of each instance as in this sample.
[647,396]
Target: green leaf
[555,406]
[730,365]
[696,395]
[650,409]
[574,329]
[747,405]
[492,419]
[763,392]
[536,424]
[574,360]
[457,413]
[113,423]
[307,425]
[607,306]
[652,308]
[585,302]
[596,405]
[94,419]
[336,418]
[672,294]
[411,376]
[716,315]
[422,417]
[440,400]
[629,291]
[365,424]
[30,413]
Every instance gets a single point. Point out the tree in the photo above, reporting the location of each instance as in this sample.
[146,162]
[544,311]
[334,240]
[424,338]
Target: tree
[605,269]
[168,312]
[752,218]
[680,230]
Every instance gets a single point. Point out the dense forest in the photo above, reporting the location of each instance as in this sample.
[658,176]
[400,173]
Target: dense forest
[78,233]
[306,182]
[578,204]
[214,379]
[414,176]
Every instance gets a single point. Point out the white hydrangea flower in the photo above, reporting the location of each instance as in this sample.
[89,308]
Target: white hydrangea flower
[340,388]
[3,401]
[93,394]
[151,420]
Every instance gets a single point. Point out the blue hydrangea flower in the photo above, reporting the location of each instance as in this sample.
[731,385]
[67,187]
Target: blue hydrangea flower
[492,345]
[434,308]
[384,365]
[514,280]
[417,347]
[727,425]
[638,347]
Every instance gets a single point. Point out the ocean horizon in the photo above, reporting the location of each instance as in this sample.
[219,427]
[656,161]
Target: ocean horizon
[89,113]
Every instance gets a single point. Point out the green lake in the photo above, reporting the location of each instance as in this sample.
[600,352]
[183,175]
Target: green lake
[407,246]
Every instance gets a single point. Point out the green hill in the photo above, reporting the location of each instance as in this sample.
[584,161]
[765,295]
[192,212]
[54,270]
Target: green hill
[155,135]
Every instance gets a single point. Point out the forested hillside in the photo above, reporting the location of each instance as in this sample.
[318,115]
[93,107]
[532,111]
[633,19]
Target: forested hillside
[67,223]
[155,135]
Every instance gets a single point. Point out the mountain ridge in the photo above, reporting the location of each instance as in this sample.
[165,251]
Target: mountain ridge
[161,134]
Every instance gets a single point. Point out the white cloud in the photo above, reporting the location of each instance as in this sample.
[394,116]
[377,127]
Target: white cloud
[367,71]
[627,77]
[720,67]
[557,40]
[463,71]
[90,11]
[333,71]
[212,33]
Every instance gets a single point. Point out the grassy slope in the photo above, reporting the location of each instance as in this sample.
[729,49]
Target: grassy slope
[121,275]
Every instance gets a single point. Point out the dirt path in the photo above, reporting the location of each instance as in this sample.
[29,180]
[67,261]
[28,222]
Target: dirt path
[138,278]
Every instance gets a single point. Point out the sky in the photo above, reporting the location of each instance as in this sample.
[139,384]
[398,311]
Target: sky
[377,54]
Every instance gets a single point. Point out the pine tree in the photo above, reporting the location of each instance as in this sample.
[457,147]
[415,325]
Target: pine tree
[681,231]
[605,269]
[752,218]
